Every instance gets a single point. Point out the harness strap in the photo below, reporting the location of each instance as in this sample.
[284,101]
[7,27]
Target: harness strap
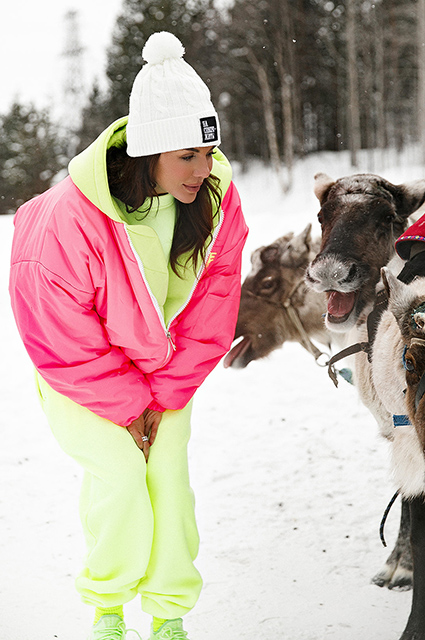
[348,351]
[385,516]
[293,316]
[304,339]
[381,303]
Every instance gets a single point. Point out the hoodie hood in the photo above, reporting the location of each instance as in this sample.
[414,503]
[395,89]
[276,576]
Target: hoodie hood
[89,174]
[88,169]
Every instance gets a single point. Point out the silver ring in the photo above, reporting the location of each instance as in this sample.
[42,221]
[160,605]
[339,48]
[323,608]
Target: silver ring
[145,438]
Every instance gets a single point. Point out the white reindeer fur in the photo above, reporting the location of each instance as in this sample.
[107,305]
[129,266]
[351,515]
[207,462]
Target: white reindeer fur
[382,382]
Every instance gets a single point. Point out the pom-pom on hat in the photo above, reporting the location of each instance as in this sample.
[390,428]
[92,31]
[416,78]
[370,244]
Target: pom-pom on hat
[170,106]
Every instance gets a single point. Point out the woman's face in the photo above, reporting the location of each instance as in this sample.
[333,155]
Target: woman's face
[181,173]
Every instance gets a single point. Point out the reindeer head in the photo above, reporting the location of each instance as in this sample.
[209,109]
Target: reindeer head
[361,217]
[407,303]
[276,273]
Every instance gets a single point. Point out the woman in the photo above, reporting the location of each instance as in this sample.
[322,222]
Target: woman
[125,283]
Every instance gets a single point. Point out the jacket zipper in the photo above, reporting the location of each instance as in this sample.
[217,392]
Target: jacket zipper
[168,334]
[171,344]
[166,328]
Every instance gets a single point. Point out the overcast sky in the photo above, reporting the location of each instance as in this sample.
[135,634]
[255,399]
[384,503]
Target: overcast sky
[33,39]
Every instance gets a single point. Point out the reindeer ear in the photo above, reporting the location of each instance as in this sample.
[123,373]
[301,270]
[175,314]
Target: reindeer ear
[270,253]
[409,197]
[299,244]
[305,235]
[388,280]
[399,294]
[322,184]
[393,286]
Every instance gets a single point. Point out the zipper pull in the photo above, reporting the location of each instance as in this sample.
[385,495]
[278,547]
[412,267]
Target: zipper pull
[171,340]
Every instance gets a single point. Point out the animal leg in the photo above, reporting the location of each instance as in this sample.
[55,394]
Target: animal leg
[415,629]
[397,572]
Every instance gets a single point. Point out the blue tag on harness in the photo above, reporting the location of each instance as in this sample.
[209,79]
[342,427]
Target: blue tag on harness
[401,421]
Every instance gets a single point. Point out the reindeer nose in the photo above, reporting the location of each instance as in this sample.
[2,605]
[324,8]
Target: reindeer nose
[352,274]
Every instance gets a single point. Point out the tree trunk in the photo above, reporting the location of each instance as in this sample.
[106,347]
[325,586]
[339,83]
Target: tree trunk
[288,125]
[283,51]
[288,132]
[267,98]
[421,77]
[353,84]
[381,141]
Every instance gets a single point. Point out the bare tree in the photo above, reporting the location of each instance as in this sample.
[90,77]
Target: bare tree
[319,75]
[283,51]
[421,75]
[353,110]
[267,98]
[378,36]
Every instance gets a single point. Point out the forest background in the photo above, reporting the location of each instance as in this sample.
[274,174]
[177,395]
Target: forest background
[288,78]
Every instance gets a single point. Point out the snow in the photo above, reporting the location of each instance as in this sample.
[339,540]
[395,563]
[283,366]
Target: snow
[290,476]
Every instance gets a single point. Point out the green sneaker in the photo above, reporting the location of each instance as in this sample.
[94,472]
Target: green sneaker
[110,627]
[170,630]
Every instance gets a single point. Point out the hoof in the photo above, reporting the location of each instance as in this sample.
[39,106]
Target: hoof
[396,578]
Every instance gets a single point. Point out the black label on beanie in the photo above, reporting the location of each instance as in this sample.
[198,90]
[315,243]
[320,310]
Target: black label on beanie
[209,129]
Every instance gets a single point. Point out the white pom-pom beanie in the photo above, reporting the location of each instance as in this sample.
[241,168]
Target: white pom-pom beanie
[170,106]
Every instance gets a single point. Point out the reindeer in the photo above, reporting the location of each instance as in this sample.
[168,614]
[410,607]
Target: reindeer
[276,305]
[396,370]
[361,217]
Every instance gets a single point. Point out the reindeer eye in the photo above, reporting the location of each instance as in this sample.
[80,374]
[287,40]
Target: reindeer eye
[408,363]
[320,217]
[267,284]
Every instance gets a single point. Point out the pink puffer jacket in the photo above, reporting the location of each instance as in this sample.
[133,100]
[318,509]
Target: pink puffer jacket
[89,321]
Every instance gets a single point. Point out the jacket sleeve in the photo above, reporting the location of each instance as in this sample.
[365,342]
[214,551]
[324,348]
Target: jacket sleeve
[69,347]
[205,329]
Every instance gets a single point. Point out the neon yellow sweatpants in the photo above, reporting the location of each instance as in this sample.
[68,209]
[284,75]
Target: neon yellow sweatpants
[138,519]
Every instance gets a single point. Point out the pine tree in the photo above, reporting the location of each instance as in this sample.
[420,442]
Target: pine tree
[190,21]
[96,116]
[278,71]
[32,152]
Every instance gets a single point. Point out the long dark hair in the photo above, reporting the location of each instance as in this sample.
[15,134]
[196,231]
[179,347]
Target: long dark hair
[132,180]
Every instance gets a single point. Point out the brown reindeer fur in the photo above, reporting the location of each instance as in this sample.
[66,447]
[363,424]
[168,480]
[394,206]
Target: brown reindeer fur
[415,361]
[275,280]
[361,217]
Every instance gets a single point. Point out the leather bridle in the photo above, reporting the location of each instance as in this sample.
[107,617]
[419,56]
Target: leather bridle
[294,319]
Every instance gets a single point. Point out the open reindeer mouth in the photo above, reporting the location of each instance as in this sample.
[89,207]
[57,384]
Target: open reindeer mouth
[340,305]
[237,352]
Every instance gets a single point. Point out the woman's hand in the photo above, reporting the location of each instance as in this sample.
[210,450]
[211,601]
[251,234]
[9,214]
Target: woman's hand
[144,429]
[152,420]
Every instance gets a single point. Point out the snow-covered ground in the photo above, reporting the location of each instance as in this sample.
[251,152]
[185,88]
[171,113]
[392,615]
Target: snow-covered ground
[290,476]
